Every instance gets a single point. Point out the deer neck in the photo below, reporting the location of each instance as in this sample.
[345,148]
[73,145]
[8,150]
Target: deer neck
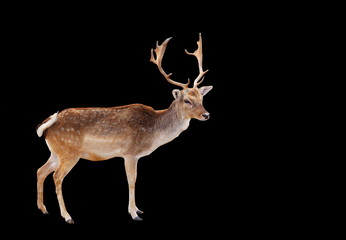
[172,121]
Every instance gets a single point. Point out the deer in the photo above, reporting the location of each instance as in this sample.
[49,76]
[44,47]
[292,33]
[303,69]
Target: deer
[129,132]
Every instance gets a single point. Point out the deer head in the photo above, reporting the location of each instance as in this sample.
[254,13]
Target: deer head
[190,100]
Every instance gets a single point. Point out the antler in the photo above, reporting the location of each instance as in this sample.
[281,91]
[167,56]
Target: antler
[159,51]
[198,54]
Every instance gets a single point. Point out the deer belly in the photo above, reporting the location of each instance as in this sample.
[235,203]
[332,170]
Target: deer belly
[97,148]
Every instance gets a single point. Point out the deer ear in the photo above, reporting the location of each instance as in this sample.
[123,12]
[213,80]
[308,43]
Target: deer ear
[176,93]
[205,90]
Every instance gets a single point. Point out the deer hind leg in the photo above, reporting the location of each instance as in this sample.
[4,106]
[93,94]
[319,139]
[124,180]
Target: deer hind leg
[66,163]
[42,173]
[131,173]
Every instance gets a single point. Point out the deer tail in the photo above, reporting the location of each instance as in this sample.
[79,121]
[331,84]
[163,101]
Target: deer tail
[46,124]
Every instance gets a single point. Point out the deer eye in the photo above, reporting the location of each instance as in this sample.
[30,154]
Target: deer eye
[187,101]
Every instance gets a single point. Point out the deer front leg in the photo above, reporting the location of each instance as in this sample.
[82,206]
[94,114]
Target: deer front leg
[131,173]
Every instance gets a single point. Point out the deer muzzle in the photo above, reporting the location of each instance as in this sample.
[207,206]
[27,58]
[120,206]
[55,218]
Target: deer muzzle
[205,116]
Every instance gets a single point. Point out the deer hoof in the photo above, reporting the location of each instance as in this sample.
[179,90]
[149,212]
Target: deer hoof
[45,213]
[70,221]
[138,219]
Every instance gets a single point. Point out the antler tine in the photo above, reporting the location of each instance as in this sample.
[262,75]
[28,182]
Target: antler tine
[160,51]
[199,55]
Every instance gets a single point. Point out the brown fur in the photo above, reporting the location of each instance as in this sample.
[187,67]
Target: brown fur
[96,134]
[130,131]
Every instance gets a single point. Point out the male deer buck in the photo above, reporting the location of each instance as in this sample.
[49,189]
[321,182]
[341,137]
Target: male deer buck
[130,131]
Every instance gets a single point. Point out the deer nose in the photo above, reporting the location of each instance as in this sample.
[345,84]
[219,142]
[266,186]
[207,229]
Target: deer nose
[206,115]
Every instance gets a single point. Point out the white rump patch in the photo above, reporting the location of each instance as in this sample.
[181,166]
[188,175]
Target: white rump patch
[52,119]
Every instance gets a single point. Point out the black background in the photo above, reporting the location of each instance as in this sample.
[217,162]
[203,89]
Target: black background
[229,174]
